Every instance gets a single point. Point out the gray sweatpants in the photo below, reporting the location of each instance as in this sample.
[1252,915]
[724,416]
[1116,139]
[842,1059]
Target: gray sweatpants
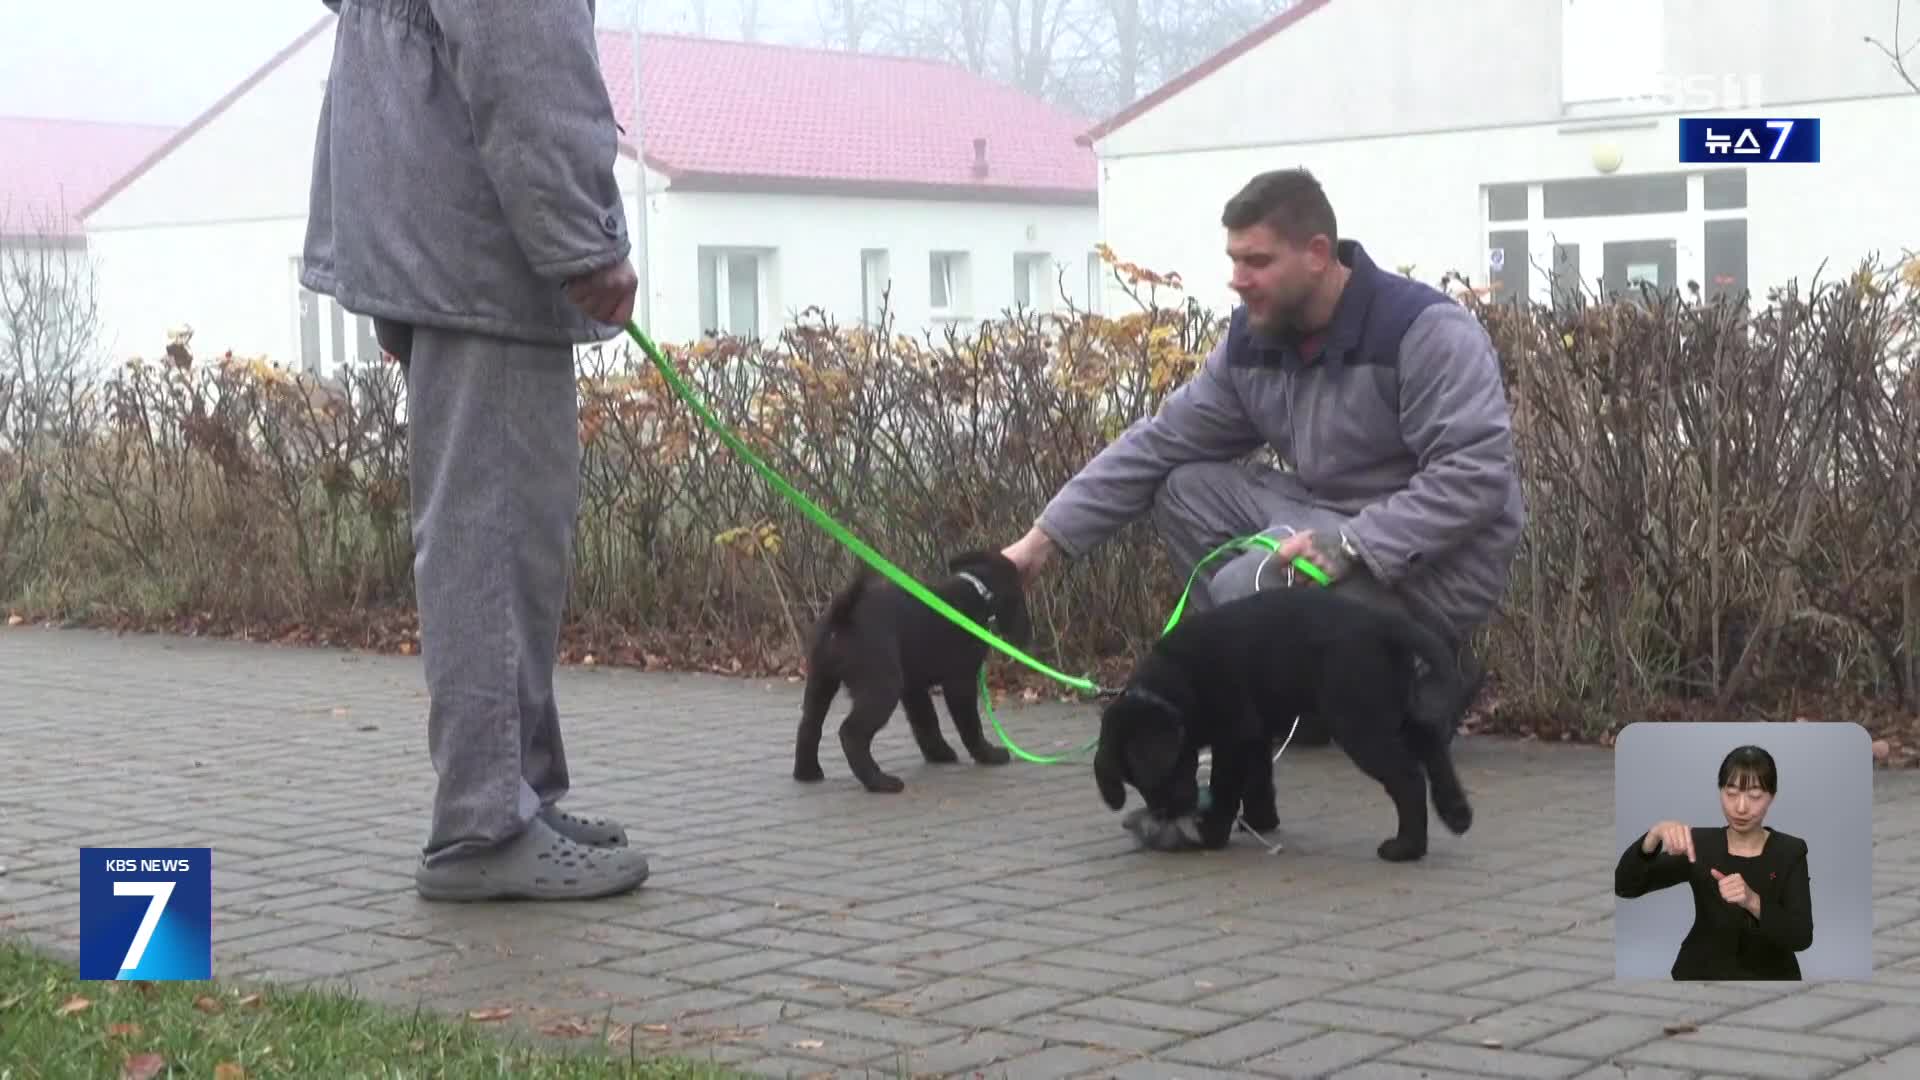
[494,448]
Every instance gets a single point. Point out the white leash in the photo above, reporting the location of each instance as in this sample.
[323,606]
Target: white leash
[1276,845]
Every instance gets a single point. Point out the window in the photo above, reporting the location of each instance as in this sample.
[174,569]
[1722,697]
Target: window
[1724,189]
[1564,280]
[876,276]
[1033,281]
[947,285]
[1726,258]
[731,283]
[1506,202]
[1508,268]
[1604,196]
[1611,50]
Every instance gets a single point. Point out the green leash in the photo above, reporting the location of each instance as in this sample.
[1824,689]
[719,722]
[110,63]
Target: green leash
[1253,540]
[899,577]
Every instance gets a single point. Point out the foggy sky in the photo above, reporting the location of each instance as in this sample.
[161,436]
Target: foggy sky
[165,61]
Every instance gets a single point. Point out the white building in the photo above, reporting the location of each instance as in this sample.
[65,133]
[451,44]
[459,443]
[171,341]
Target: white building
[51,168]
[1536,136]
[779,179]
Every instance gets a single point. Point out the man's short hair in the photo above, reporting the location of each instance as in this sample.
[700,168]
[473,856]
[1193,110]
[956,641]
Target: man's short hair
[1288,201]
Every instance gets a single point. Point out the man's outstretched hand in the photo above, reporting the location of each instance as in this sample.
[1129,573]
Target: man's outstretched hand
[606,295]
[1029,553]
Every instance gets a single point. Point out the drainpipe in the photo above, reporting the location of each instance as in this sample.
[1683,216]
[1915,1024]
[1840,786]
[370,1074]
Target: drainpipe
[643,308]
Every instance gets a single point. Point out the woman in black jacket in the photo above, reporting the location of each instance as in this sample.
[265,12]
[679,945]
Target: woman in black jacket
[1752,899]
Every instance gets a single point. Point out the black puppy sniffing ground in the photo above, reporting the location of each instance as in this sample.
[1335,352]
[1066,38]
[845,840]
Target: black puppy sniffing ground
[1232,678]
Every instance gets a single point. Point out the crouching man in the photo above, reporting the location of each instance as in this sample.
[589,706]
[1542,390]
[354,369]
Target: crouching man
[1382,394]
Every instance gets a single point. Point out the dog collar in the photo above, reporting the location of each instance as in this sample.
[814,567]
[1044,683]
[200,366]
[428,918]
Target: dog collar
[986,594]
[1151,698]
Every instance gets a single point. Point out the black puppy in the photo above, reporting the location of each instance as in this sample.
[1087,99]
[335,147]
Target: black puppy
[887,648]
[1229,677]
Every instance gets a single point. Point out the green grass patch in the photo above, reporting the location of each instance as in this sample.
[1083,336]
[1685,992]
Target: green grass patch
[54,1025]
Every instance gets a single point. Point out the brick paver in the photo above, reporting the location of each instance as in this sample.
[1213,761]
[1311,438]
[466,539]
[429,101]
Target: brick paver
[985,920]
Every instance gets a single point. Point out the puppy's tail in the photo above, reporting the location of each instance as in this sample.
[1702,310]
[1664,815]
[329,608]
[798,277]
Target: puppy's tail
[840,613]
[1416,639]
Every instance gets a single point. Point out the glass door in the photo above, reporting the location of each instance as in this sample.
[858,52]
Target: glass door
[1606,258]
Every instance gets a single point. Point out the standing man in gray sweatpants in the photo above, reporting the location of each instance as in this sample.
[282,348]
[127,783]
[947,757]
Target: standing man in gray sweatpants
[1382,394]
[464,198]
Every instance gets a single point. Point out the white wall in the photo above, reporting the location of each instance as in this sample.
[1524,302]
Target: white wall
[233,283]
[1417,199]
[207,237]
[1366,68]
[813,246]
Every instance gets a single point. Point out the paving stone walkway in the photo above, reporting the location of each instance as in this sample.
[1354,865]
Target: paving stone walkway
[990,921]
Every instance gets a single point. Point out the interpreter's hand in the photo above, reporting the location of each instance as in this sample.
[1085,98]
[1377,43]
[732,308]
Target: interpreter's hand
[1671,836]
[1324,550]
[606,295]
[1733,889]
[1029,553]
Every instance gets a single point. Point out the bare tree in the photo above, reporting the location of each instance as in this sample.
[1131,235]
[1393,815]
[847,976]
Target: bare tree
[1033,32]
[847,24]
[1119,50]
[957,31]
[1897,53]
[48,317]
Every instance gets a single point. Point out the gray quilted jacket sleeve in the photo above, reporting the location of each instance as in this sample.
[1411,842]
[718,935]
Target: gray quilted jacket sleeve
[1203,420]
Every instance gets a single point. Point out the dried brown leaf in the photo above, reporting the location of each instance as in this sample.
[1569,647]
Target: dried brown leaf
[131,1031]
[488,1015]
[209,1005]
[142,1067]
[1681,1028]
[568,1028]
[227,1070]
[73,1005]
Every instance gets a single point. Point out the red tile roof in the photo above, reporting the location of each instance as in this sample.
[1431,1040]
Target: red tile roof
[725,114]
[55,168]
[804,117]
[1300,10]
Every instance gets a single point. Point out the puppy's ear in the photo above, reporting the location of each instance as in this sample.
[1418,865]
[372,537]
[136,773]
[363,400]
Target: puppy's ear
[1153,750]
[969,560]
[1019,626]
[1106,762]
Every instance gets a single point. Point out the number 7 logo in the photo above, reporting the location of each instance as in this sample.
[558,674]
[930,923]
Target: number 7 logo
[159,893]
[1785,128]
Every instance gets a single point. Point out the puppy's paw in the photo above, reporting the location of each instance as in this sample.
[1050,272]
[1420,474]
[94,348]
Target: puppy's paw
[808,772]
[940,755]
[1156,833]
[1457,816]
[1398,849]
[1215,834]
[990,755]
[886,784]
